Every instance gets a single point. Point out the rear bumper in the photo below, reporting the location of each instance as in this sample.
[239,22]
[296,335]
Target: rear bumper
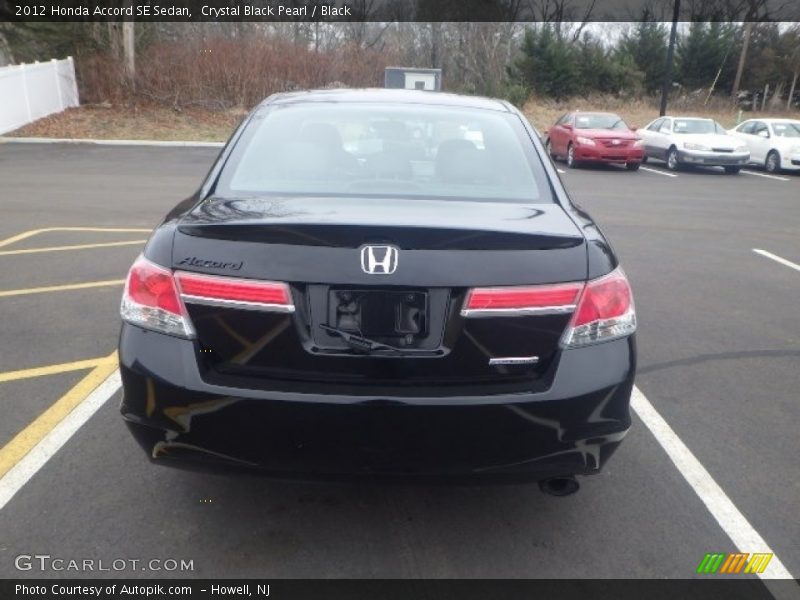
[180,420]
[610,154]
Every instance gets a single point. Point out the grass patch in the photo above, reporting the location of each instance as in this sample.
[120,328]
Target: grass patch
[105,122]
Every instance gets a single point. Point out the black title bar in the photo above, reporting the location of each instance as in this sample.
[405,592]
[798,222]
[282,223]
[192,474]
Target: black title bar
[397,10]
[395,589]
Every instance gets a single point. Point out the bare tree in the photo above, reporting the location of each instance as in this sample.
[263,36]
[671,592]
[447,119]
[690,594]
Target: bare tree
[738,10]
[484,51]
[6,56]
[569,17]
[129,50]
[793,60]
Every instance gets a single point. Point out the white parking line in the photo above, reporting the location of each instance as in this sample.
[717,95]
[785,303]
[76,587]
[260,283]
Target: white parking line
[732,521]
[658,171]
[777,259]
[16,477]
[777,177]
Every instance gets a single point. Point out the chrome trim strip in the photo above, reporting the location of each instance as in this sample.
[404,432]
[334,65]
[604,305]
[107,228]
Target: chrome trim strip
[514,360]
[240,304]
[231,279]
[477,313]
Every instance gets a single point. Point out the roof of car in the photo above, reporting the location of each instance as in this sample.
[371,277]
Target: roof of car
[388,96]
[771,120]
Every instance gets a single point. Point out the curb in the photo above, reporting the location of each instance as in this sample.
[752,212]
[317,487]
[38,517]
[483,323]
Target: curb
[172,144]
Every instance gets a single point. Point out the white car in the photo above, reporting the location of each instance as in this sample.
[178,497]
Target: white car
[773,143]
[683,141]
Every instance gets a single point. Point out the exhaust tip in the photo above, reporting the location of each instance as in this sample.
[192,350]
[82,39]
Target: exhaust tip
[559,486]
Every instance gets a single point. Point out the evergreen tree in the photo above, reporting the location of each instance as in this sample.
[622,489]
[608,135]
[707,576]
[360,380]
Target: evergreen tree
[646,45]
[548,65]
[603,69]
[705,49]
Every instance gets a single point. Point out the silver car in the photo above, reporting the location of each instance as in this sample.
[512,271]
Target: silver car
[681,141]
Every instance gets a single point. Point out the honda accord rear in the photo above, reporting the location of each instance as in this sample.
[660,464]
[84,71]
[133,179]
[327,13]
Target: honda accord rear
[380,284]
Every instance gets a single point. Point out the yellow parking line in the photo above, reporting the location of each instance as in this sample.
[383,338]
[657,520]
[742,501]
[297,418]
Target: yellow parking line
[25,440]
[51,369]
[30,233]
[74,247]
[60,288]
[19,237]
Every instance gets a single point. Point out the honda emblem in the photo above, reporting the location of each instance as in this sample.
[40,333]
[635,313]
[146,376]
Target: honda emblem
[379,260]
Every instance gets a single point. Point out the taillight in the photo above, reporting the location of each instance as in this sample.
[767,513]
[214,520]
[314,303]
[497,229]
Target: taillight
[521,300]
[605,312]
[236,293]
[151,300]
[601,309]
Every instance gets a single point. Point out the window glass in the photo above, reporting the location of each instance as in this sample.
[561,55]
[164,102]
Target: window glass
[746,127]
[599,121]
[655,125]
[357,149]
[786,129]
[698,126]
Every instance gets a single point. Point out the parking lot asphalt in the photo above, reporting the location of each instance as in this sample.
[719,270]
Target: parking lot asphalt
[719,344]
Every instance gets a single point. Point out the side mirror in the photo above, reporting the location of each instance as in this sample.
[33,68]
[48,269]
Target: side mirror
[567,126]
[764,134]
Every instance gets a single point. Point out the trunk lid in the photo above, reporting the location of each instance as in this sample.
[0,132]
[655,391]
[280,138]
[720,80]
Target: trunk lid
[314,245]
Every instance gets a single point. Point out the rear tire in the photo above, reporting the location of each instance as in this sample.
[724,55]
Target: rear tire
[632,166]
[732,170]
[773,162]
[571,162]
[672,159]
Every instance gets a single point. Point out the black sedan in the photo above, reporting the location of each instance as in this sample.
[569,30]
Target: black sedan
[380,284]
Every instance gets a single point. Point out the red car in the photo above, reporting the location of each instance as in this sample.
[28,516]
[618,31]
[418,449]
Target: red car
[580,137]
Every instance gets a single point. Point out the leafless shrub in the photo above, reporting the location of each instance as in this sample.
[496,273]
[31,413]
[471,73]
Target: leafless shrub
[221,73]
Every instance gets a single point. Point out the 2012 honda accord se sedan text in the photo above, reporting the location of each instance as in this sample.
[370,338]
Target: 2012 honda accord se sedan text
[380,283]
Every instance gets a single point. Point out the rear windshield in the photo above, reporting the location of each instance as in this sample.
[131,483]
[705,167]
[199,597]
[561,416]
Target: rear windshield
[599,122]
[697,126]
[407,151]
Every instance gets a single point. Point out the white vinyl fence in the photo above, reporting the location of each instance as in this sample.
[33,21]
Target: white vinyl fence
[30,92]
